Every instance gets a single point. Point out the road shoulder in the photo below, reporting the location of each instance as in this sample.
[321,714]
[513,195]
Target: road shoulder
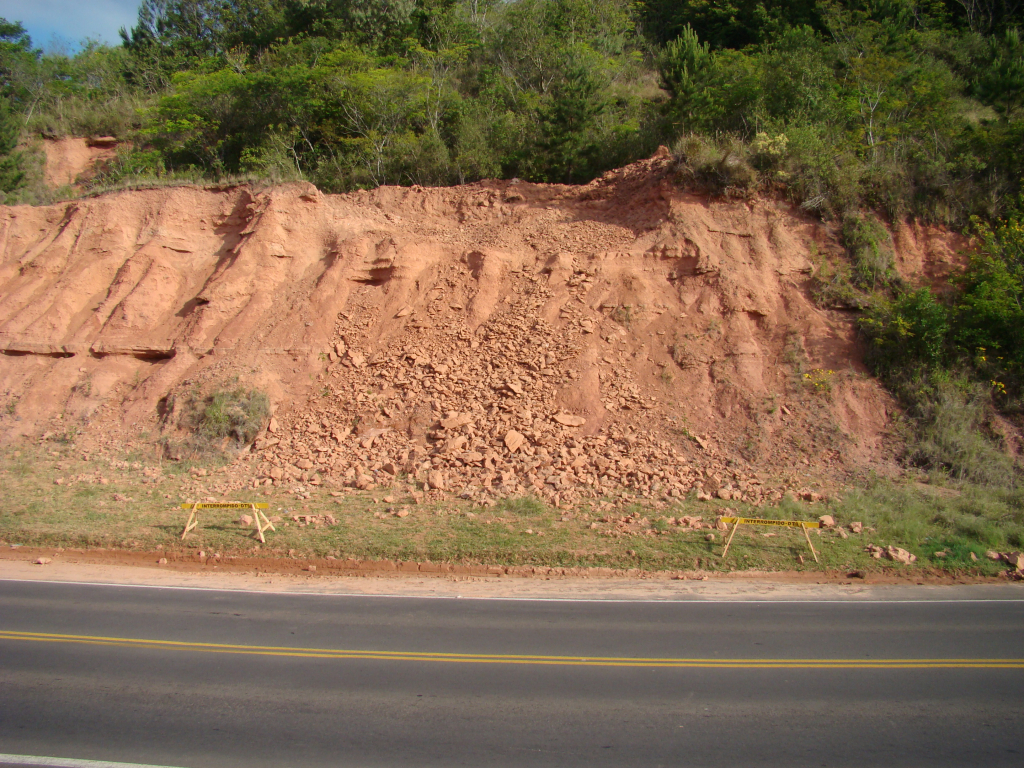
[735,587]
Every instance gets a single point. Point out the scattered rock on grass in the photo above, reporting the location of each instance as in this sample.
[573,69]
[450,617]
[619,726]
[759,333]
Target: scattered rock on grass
[899,555]
[1015,560]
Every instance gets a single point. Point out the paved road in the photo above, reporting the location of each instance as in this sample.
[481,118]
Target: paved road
[428,682]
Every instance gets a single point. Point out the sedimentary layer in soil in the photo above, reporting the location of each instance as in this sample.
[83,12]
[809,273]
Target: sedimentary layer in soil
[492,339]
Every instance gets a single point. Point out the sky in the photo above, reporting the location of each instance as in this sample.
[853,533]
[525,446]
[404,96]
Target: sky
[54,23]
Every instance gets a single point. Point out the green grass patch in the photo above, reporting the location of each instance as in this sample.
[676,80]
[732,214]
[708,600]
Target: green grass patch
[139,509]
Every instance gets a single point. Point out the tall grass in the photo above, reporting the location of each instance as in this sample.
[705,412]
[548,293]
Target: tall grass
[227,415]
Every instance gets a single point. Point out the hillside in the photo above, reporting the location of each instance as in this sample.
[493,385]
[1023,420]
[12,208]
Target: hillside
[493,339]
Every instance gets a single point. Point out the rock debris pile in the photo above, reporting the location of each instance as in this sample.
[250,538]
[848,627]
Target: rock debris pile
[477,415]
[470,414]
[493,339]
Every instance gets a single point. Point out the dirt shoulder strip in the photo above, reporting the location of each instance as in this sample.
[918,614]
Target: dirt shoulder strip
[106,569]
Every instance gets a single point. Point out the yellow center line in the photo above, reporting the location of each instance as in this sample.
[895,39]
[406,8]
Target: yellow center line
[473,658]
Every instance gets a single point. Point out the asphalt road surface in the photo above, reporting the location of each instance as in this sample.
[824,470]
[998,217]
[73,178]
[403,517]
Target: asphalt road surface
[203,679]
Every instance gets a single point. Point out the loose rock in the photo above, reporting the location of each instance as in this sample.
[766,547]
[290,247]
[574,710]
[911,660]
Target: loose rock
[900,555]
[570,420]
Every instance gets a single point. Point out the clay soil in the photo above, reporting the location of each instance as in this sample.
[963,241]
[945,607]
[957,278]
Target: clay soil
[619,343]
[71,160]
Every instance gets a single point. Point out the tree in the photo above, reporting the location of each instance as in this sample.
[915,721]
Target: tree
[726,23]
[194,28]
[12,173]
[566,123]
[685,67]
[1001,84]
[988,16]
[16,59]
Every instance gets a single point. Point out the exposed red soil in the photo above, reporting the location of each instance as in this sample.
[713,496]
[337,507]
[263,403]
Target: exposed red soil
[632,334]
[71,160]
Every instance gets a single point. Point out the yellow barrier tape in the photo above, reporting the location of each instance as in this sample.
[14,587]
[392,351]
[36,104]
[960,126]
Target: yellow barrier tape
[759,521]
[227,505]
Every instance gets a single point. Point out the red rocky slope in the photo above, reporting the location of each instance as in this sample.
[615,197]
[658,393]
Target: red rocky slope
[489,339]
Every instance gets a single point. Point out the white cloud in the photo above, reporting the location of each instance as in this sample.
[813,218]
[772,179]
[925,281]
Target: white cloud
[73,21]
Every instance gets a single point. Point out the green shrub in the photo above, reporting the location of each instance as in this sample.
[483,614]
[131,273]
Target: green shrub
[989,309]
[833,285]
[718,166]
[237,414]
[130,166]
[870,249]
[952,414]
[910,330]
[912,348]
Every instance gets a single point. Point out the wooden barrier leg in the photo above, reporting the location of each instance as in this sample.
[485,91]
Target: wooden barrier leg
[259,526]
[267,524]
[808,537]
[729,542]
[193,521]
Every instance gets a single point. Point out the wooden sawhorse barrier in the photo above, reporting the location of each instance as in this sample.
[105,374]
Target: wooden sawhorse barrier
[801,524]
[257,512]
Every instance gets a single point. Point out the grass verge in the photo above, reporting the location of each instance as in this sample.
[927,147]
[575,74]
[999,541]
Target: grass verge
[129,504]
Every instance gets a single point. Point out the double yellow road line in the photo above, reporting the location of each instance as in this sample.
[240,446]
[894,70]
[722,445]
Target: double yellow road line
[475,658]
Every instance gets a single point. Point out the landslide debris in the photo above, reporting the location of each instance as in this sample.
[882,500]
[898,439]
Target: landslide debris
[496,339]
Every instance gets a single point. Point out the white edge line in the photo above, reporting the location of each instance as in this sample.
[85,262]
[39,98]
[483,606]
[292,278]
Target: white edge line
[68,762]
[667,600]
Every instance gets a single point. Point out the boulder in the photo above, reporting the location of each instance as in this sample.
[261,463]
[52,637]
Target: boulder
[435,480]
[514,440]
[899,555]
[1015,560]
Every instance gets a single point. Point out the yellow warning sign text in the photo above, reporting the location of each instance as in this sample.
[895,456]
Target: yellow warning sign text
[759,521]
[226,505]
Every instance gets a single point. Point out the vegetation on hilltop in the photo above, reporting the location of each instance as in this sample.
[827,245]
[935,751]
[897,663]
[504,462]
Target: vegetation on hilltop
[853,109]
[905,106]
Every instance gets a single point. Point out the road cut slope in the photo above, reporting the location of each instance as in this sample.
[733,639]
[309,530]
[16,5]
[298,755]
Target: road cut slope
[490,339]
